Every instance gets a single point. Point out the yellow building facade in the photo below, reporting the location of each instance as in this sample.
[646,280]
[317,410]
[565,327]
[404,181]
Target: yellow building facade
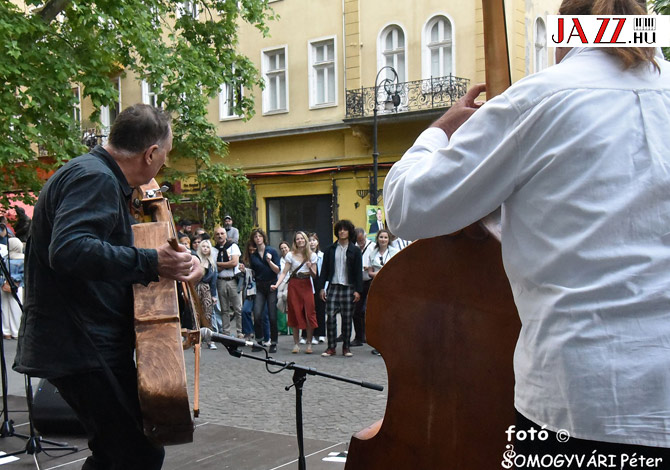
[308,149]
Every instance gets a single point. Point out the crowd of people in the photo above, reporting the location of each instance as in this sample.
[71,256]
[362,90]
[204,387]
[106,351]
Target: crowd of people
[247,292]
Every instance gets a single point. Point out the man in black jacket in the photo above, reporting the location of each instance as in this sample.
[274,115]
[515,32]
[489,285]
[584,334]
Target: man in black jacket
[342,268]
[77,328]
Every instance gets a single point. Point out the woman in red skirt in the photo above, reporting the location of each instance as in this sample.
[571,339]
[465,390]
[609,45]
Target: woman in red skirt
[300,265]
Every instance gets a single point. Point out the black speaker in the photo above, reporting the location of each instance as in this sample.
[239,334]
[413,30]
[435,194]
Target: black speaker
[51,414]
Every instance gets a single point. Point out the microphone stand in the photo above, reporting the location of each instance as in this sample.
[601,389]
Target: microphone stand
[34,442]
[300,374]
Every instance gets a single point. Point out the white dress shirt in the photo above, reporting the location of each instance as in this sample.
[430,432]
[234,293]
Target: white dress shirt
[578,156]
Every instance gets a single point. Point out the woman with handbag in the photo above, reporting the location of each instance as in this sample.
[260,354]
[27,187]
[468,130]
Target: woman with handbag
[301,264]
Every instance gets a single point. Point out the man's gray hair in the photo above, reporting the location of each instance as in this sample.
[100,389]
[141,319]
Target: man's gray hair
[137,128]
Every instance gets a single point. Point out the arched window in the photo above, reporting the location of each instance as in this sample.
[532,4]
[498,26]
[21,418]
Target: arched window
[540,45]
[392,46]
[437,48]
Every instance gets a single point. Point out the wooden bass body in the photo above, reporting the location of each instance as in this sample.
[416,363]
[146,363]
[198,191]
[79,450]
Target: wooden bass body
[161,371]
[442,315]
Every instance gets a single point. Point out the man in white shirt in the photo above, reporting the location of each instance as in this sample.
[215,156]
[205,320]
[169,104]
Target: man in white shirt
[228,258]
[578,155]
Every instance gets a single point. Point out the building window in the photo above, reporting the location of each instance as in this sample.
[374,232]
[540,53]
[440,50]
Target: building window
[76,107]
[323,77]
[438,48]
[188,8]
[392,47]
[108,113]
[229,98]
[150,94]
[286,215]
[275,95]
[540,45]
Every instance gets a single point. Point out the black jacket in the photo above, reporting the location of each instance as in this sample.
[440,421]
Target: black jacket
[354,266]
[80,260]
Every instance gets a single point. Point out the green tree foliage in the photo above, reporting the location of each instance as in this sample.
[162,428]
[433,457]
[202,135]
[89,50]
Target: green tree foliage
[225,192]
[662,7]
[48,47]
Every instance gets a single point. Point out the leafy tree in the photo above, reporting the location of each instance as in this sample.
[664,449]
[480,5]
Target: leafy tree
[48,47]
[225,192]
[662,7]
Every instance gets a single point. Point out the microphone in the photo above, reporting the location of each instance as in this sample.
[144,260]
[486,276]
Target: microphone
[208,335]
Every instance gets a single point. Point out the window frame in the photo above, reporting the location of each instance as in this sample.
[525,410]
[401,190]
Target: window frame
[313,72]
[265,70]
[149,96]
[427,47]
[76,108]
[381,51]
[105,115]
[223,100]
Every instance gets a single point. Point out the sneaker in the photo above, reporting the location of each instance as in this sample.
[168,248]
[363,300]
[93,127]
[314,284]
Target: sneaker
[346,352]
[322,339]
[355,343]
[315,341]
[309,349]
[273,348]
[302,341]
[329,352]
[212,346]
[296,349]
[375,352]
[267,343]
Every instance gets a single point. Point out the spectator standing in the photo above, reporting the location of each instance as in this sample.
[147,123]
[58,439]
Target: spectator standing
[282,291]
[11,312]
[365,246]
[206,288]
[228,258]
[249,298]
[319,304]
[343,269]
[301,263]
[265,263]
[232,232]
[186,229]
[378,256]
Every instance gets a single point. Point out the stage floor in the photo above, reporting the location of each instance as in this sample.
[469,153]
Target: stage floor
[214,447]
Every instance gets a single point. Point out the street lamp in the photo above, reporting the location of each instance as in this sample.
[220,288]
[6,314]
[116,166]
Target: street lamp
[392,101]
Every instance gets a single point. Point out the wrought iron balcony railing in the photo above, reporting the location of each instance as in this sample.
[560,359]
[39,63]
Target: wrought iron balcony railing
[432,93]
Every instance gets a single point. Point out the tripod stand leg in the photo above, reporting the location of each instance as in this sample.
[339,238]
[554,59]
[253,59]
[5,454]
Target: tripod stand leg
[299,378]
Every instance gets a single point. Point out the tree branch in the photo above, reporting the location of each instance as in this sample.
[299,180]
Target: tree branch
[51,9]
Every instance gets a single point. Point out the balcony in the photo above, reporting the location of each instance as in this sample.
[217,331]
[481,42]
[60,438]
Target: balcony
[430,94]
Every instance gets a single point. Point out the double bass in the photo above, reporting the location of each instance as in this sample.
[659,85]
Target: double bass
[450,372]
[160,340]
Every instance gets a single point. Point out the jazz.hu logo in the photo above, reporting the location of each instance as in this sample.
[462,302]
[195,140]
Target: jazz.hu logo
[607,31]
